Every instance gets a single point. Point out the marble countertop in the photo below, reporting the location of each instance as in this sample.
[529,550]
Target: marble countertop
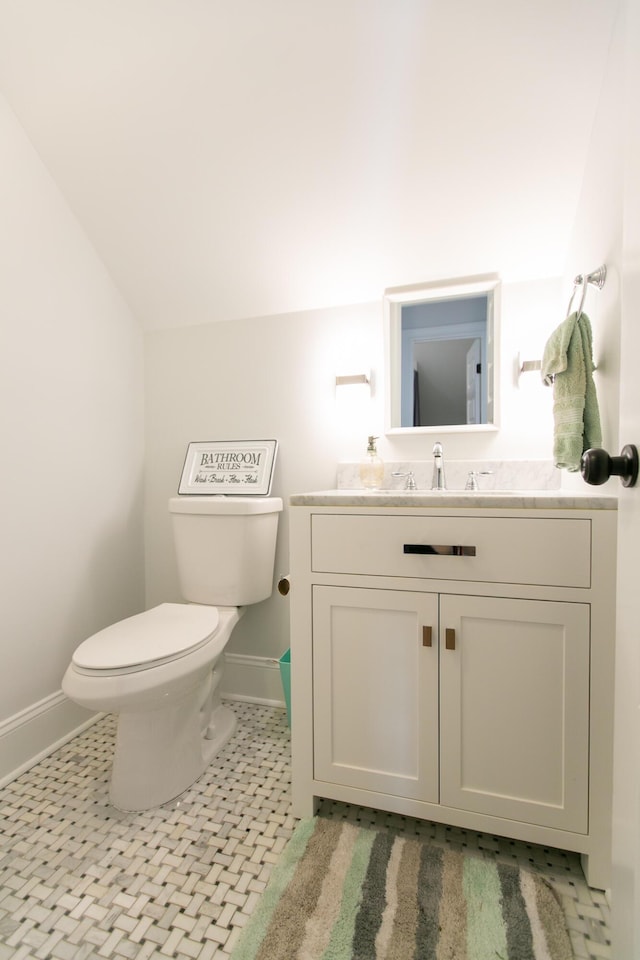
[495,499]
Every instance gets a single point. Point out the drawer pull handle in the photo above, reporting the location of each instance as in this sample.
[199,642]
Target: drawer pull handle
[440,549]
[450,638]
[426,636]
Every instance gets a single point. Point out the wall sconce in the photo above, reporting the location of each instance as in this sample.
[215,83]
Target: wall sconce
[354,380]
[353,396]
[526,366]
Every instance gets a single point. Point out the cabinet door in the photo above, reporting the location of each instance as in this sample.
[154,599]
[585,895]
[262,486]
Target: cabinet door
[515,709]
[375,688]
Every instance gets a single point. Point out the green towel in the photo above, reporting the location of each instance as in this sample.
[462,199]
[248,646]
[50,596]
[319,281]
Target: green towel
[567,363]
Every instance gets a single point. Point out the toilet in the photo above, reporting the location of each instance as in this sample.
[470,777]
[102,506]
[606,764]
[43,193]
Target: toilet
[160,670]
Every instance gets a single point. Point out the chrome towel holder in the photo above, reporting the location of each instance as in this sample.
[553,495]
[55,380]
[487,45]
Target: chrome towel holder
[596,277]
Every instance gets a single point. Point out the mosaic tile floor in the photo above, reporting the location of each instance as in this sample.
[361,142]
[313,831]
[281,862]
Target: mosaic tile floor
[80,880]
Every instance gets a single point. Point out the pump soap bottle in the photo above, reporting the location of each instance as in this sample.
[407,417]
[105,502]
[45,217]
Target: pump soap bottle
[372,467]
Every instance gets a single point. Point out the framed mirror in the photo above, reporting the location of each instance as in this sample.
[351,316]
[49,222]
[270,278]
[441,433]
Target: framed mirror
[441,356]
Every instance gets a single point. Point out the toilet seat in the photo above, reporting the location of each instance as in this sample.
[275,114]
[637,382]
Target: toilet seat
[164,633]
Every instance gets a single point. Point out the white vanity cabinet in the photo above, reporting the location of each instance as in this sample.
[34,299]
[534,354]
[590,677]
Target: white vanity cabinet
[456,663]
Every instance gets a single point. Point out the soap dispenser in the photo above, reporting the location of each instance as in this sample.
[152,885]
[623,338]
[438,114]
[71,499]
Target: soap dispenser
[372,467]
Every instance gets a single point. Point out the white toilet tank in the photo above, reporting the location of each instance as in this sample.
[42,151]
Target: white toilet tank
[225,547]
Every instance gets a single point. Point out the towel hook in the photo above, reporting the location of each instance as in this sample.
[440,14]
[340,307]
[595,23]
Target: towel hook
[596,277]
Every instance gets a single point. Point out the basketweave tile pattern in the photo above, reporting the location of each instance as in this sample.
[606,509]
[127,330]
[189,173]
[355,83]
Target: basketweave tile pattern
[80,880]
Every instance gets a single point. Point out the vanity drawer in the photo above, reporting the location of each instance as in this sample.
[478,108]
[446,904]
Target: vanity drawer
[543,552]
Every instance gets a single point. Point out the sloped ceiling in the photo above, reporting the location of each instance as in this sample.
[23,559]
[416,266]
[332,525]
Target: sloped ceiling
[236,158]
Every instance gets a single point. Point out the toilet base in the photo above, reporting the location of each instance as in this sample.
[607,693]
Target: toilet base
[160,753]
[219,731]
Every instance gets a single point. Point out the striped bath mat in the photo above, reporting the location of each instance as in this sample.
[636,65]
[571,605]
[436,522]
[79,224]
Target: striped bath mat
[342,892]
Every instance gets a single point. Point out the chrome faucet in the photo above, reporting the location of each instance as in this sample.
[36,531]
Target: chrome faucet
[438,481]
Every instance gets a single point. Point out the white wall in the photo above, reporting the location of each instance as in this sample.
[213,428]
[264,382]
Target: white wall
[71,435]
[274,377]
[264,378]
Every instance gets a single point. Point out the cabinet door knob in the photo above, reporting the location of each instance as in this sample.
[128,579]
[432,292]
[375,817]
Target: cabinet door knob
[596,466]
[450,638]
[426,636]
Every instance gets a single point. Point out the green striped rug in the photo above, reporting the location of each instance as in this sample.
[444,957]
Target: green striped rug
[342,892]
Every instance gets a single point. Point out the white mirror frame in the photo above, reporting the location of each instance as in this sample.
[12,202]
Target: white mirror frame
[397,297]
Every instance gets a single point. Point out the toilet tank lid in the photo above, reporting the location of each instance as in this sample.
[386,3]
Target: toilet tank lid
[164,632]
[225,505]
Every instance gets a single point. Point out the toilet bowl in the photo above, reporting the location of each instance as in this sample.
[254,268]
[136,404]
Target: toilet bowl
[160,670]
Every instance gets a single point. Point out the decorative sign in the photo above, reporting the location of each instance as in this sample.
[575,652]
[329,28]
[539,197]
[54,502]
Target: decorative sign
[229,467]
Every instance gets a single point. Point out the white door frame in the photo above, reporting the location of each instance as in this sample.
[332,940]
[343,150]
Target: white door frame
[626,799]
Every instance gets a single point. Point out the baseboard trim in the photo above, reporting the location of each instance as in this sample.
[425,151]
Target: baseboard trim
[34,733]
[252,680]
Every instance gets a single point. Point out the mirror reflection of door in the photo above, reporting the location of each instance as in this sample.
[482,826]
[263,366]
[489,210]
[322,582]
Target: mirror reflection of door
[474,382]
[444,347]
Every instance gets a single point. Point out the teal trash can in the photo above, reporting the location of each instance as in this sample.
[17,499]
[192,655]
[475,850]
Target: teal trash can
[285,673]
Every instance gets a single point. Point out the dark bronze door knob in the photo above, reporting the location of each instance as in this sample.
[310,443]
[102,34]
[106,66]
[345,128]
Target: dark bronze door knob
[597,466]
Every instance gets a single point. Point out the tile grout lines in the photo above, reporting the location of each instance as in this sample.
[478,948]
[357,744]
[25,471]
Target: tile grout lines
[80,880]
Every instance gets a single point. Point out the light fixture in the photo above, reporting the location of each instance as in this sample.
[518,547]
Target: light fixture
[352,380]
[526,366]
